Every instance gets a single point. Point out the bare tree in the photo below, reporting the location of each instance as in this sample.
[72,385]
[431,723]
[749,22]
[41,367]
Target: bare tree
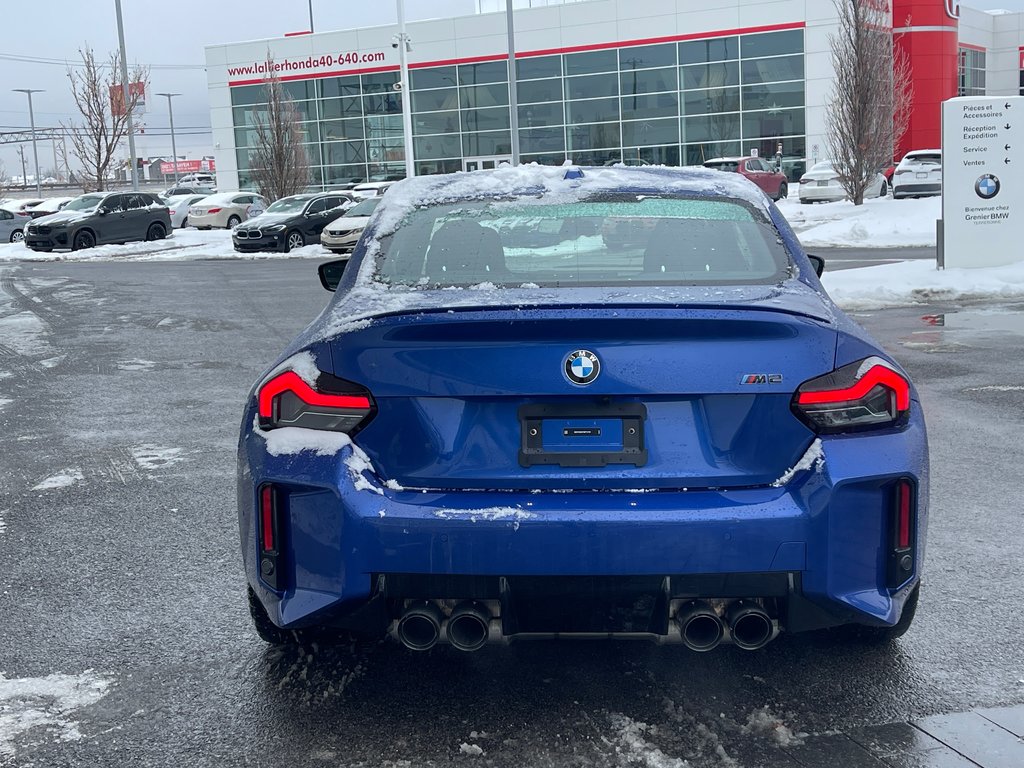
[278,161]
[869,108]
[98,95]
[4,181]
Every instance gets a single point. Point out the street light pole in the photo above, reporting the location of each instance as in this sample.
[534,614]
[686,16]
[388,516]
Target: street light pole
[32,121]
[174,148]
[127,103]
[311,17]
[513,91]
[403,67]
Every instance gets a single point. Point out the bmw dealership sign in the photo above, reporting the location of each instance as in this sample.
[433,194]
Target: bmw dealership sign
[982,180]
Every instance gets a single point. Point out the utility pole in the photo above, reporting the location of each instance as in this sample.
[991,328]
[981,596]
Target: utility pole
[127,103]
[56,166]
[403,66]
[32,121]
[174,148]
[24,170]
[513,95]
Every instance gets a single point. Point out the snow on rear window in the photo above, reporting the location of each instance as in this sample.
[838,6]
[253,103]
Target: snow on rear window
[612,241]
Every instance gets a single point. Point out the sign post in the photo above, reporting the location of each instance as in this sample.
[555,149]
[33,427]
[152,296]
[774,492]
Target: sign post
[982,181]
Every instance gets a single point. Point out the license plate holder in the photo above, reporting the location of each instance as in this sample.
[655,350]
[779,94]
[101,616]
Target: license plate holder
[582,435]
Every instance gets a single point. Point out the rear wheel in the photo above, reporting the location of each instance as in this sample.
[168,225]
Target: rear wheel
[783,192]
[17,236]
[84,239]
[294,240]
[884,190]
[233,221]
[156,231]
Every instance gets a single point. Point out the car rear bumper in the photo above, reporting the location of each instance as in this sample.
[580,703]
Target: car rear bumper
[828,194]
[824,535]
[904,189]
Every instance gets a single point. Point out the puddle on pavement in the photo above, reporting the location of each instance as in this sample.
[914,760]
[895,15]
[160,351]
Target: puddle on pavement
[943,332]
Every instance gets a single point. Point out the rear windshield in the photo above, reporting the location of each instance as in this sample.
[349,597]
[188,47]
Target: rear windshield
[364,208]
[722,165]
[923,160]
[628,241]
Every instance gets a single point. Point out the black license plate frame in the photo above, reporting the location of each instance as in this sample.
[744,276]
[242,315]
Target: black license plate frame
[531,421]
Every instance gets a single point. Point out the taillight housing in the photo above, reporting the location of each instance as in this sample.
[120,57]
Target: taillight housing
[213,210]
[288,400]
[867,394]
[902,531]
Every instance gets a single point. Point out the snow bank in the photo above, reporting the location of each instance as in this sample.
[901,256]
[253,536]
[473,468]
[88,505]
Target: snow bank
[919,281]
[47,702]
[182,245]
[764,721]
[632,743]
[879,223]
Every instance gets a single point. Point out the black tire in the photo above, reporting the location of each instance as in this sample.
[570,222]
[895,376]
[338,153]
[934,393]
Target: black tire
[184,222]
[233,221]
[885,190]
[866,635]
[783,192]
[17,236]
[293,239]
[156,231]
[83,239]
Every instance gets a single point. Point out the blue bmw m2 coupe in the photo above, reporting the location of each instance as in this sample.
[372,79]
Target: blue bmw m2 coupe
[580,402]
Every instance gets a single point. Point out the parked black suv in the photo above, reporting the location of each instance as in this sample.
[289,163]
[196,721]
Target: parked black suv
[290,222]
[99,218]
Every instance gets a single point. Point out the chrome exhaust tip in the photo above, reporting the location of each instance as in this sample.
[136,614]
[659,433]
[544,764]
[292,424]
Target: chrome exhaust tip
[699,626]
[750,626]
[420,626]
[469,626]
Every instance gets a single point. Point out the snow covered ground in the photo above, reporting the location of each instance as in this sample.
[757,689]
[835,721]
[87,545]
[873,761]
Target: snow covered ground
[879,223]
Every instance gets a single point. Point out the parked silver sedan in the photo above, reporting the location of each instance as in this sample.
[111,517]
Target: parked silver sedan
[12,226]
[821,184]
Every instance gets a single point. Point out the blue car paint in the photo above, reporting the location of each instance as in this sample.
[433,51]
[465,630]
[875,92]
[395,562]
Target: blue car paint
[814,525]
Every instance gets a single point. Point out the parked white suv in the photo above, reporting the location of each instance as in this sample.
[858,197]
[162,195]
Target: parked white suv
[919,173]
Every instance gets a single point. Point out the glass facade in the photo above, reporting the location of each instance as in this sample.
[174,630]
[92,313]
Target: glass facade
[672,103]
[972,72]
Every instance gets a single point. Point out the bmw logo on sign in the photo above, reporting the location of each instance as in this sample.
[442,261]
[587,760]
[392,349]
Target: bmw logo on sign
[987,186]
[582,366]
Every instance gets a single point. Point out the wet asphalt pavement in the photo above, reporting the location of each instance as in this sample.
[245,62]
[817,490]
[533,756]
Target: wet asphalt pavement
[119,566]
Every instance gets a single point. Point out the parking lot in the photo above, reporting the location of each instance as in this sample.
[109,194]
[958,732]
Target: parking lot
[121,388]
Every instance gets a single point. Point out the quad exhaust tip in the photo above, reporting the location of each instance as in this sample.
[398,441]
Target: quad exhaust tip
[469,626]
[751,628]
[420,626]
[699,626]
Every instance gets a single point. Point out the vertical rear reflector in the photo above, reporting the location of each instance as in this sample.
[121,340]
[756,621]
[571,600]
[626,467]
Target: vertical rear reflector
[903,515]
[267,539]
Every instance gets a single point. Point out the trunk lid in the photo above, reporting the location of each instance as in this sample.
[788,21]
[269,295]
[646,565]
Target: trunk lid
[709,388]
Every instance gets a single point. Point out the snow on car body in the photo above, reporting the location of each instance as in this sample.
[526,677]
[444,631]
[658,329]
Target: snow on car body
[613,400]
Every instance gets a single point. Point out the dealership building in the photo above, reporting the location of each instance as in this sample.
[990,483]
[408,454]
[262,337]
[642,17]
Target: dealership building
[664,81]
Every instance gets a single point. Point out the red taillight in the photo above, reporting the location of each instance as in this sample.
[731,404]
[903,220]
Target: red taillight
[904,513]
[213,210]
[288,401]
[867,394]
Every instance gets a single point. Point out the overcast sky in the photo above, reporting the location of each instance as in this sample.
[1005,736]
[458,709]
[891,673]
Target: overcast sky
[171,42]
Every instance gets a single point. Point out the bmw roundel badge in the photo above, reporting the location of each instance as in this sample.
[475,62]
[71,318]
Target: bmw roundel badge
[582,366]
[987,186]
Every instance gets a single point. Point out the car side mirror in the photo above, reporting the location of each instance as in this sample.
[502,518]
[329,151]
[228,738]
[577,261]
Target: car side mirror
[331,272]
[818,263]
[102,210]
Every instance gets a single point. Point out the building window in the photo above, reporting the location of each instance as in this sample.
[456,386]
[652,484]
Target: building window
[972,72]
[1022,82]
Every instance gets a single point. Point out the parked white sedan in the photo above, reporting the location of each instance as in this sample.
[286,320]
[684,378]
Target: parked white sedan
[179,205]
[821,185]
[226,209]
[342,234]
